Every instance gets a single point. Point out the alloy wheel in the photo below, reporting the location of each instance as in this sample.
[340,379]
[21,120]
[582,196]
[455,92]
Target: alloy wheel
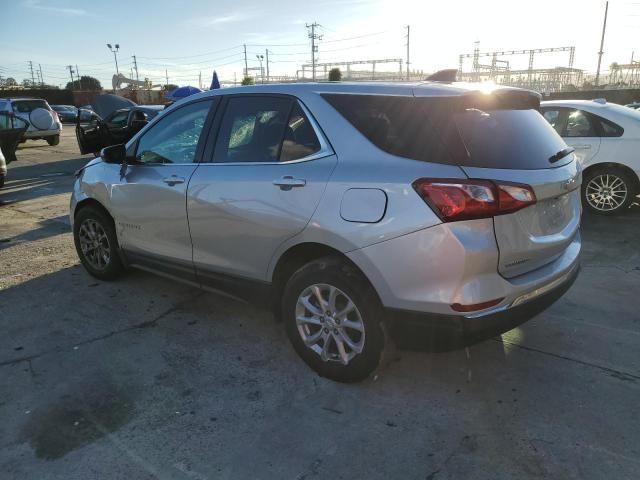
[606,192]
[330,323]
[94,244]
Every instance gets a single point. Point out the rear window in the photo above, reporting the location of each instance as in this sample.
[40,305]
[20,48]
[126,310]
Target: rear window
[27,106]
[443,130]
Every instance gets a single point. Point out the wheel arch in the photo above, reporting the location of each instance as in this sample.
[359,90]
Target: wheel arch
[300,254]
[617,166]
[91,202]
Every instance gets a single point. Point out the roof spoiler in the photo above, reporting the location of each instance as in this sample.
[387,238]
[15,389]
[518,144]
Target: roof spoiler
[447,75]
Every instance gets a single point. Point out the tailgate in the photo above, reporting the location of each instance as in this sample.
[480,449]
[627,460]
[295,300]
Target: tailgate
[538,234]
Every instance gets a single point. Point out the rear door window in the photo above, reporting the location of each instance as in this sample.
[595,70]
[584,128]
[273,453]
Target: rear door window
[579,124]
[253,129]
[441,130]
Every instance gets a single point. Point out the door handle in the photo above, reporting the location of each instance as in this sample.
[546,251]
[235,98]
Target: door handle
[173,180]
[582,147]
[288,182]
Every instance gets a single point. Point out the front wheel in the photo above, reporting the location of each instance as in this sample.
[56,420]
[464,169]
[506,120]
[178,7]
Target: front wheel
[96,243]
[55,140]
[607,191]
[333,319]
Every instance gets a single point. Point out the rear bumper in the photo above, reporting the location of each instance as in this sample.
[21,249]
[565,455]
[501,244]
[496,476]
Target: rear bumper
[40,133]
[430,270]
[430,326]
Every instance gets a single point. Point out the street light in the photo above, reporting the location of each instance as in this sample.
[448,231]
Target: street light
[115,55]
[260,58]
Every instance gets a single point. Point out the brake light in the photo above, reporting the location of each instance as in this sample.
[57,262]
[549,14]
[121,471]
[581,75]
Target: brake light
[462,199]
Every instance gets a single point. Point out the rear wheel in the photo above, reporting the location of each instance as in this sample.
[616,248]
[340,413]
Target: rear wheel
[607,191]
[96,243]
[333,319]
[55,140]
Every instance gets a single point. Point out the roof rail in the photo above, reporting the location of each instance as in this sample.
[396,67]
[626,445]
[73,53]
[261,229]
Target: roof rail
[601,101]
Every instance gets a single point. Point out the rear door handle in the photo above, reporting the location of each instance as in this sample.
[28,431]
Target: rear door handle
[288,182]
[173,180]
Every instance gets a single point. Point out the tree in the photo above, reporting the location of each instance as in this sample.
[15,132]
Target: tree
[169,86]
[248,80]
[10,82]
[85,83]
[335,75]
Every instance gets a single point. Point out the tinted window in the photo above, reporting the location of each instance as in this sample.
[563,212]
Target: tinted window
[119,119]
[174,138]
[252,129]
[10,122]
[579,125]
[300,139]
[608,128]
[27,106]
[441,130]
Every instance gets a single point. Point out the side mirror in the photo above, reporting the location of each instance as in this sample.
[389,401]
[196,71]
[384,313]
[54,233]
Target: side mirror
[114,154]
[137,125]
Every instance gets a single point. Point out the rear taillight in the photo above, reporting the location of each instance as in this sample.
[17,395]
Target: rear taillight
[457,199]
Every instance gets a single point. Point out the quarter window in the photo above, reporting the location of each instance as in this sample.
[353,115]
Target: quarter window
[174,138]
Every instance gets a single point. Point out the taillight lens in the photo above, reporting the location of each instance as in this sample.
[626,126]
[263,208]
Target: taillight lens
[457,199]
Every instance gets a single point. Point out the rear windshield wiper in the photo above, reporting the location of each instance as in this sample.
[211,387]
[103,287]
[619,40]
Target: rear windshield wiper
[561,154]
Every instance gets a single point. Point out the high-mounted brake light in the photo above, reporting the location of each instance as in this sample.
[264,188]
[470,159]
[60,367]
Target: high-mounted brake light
[462,199]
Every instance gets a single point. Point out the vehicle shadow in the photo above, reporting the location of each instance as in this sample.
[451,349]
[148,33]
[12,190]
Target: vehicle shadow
[46,228]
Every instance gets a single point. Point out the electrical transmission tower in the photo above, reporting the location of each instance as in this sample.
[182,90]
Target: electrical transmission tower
[33,80]
[314,48]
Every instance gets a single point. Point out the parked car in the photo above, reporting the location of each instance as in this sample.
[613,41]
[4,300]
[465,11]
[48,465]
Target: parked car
[634,105]
[66,113]
[43,121]
[12,129]
[348,206]
[117,127]
[606,137]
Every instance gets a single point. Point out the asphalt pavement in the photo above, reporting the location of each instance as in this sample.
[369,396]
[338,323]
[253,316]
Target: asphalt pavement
[145,378]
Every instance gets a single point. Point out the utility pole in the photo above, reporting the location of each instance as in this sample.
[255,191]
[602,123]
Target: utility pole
[246,66]
[313,36]
[135,67]
[200,80]
[267,53]
[70,67]
[166,76]
[78,77]
[41,76]
[33,80]
[408,63]
[604,27]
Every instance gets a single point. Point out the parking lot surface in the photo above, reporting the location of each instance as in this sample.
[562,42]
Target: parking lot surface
[146,378]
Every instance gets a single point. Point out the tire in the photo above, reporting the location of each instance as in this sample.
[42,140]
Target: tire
[599,198]
[348,284]
[55,140]
[96,221]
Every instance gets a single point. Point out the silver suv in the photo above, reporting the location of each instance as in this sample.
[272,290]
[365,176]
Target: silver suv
[43,122]
[347,207]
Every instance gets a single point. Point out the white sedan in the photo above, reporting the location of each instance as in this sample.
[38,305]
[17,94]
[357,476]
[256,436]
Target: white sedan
[606,138]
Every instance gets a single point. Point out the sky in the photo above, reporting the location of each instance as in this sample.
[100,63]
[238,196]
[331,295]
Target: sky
[189,37]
